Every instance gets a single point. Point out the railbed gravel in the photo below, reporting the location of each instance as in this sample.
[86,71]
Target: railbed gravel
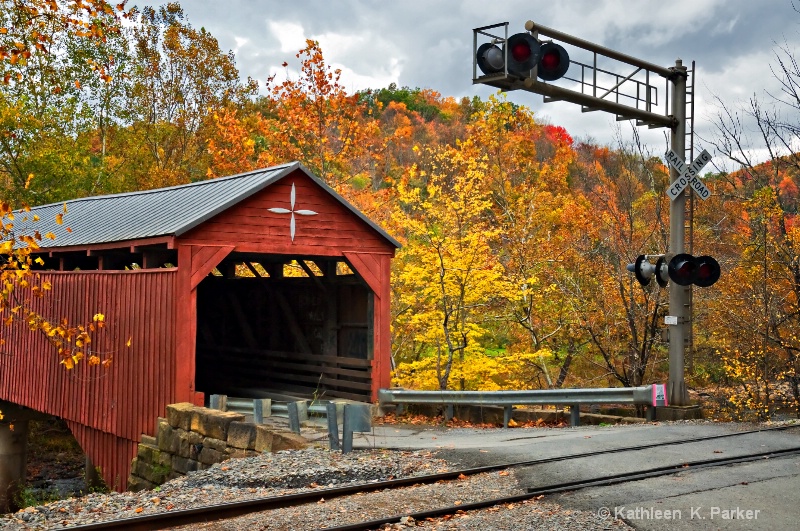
[295,471]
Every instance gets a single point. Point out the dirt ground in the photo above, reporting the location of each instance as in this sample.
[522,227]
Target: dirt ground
[55,465]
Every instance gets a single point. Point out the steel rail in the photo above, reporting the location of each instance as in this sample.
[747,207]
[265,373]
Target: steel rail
[568,486]
[234,509]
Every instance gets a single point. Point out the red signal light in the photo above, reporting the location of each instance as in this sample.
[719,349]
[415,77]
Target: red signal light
[707,271]
[523,53]
[550,60]
[554,62]
[520,51]
[685,270]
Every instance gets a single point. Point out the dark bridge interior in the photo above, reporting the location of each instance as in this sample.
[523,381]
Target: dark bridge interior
[270,324]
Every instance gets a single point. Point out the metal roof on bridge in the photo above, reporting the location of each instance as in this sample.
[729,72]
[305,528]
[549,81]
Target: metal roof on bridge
[168,211]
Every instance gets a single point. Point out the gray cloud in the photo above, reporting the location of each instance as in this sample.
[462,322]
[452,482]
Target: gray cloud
[428,44]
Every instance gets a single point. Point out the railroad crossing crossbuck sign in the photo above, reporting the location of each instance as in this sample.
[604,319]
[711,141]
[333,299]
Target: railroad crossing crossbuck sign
[688,175]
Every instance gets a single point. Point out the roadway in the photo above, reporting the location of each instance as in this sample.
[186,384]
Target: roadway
[756,495]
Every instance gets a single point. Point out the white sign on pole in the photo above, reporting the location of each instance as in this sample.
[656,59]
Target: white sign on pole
[688,175]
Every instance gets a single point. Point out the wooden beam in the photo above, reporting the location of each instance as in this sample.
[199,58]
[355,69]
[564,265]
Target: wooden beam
[325,267]
[274,269]
[253,270]
[365,265]
[205,259]
[169,241]
[311,274]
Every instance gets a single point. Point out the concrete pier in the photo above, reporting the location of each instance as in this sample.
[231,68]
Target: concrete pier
[13,460]
[14,451]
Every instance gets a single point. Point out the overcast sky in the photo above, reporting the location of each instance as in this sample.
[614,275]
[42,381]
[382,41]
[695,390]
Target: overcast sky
[428,44]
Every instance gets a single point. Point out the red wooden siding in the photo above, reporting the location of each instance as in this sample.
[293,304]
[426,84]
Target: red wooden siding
[110,453]
[253,228]
[109,409]
[121,402]
[375,269]
[333,231]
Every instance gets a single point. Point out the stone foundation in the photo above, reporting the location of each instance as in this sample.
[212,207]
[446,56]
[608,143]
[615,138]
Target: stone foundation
[193,438]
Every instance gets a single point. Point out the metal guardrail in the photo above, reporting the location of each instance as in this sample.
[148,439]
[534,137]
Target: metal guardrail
[574,398]
[356,417]
[277,409]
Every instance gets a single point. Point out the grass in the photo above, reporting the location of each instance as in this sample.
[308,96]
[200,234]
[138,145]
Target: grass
[30,497]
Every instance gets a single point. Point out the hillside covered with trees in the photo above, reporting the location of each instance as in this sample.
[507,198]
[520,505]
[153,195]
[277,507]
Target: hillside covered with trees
[515,236]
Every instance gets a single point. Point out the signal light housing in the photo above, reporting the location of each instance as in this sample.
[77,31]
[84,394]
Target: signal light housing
[707,271]
[523,53]
[685,270]
[644,271]
[490,58]
[553,62]
[682,269]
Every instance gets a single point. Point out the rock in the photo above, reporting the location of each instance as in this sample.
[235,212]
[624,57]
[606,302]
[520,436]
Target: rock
[180,415]
[242,435]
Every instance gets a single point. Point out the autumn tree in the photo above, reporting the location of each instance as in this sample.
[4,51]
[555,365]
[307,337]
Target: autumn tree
[179,78]
[620,317]
[538,218]
[313,119]
[36,99]
[759,302]
[451,279]
[40,99]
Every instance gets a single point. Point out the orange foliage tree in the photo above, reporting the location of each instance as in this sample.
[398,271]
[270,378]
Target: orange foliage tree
[31,37]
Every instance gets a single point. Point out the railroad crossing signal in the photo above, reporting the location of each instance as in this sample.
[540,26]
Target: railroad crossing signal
[520,55]
[688,175]
[683,269]
[647,109]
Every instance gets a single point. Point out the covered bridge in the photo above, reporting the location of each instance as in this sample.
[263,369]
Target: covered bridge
[267,281]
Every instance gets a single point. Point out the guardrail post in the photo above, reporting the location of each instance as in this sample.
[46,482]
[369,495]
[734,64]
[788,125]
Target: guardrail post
[333,426]
[357,417]
[219,402]
[651,414]
[507,415]
[448,412]
[262,407]
[298,413]
[574,415]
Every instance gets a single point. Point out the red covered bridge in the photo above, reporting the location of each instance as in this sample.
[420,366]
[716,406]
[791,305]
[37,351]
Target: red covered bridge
[197,278]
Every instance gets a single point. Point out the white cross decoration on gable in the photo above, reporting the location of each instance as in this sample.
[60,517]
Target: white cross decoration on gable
[292,211]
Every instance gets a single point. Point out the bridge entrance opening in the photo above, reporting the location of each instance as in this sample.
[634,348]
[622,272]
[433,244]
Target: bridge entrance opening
[274,324]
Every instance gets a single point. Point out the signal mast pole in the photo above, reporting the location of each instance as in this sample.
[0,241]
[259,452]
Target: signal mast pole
[679,296]
[521,62]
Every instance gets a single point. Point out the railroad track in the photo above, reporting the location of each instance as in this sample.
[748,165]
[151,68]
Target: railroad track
[226,511]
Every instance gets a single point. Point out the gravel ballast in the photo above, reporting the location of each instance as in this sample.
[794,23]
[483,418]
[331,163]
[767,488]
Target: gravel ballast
[313,469]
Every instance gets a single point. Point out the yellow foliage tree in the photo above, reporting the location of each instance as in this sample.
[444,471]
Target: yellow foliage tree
[22,286]
[449,280]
